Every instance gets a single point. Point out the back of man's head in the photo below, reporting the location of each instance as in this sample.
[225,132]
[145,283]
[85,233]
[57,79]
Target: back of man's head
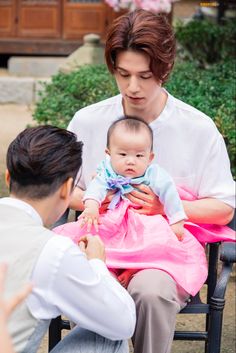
[41,159]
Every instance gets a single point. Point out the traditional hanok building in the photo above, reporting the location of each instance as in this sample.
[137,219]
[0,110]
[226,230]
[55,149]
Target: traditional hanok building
[51,27]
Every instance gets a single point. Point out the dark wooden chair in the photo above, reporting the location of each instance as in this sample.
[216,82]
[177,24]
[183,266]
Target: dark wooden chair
[214,306]
[221,257]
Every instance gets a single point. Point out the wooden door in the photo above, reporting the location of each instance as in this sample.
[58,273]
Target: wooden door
[39,18]
[81,17]
[8,18]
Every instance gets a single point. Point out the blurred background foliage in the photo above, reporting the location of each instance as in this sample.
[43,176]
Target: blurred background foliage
[204,76]
[206,42]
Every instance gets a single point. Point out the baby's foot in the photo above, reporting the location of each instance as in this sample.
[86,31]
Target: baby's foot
[125,277]
[115,272]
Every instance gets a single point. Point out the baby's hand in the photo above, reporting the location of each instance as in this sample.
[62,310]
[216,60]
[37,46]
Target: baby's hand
[90,218]
[90,215]
[178,229]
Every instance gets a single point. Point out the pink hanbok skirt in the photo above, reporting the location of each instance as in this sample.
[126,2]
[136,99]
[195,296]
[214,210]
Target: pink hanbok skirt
[136,241]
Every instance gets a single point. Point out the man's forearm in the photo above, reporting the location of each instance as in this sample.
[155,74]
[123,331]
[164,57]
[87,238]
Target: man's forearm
[208,210]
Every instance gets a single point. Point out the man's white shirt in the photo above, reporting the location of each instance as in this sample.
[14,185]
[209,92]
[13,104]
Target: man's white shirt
[186,144]
[65,282]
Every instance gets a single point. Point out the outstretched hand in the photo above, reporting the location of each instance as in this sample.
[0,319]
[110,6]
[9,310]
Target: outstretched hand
[146,200]
[90,215]
[90,219]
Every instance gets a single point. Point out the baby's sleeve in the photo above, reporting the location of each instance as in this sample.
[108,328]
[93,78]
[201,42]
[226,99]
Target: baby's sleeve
[97,190]
[164,187]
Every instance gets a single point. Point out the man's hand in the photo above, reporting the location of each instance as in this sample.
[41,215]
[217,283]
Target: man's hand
[148,202]
[90,215]
[93,247]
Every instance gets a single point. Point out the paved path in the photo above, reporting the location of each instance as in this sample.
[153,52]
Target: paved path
[13,119]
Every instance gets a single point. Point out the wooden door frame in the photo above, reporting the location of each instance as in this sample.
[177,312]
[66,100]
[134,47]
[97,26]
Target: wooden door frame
[70,32]
[24,33]
[11,32]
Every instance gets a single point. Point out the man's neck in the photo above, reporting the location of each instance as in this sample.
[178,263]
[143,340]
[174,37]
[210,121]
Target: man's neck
[150,113]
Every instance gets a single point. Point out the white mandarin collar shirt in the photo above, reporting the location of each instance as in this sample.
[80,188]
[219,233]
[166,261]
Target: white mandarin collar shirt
[186,144]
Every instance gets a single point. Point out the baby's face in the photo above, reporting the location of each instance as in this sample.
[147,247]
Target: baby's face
[130,152]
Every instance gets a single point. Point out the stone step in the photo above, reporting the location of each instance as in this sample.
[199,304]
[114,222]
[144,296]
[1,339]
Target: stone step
[22,82]
[21,90]
[34,66]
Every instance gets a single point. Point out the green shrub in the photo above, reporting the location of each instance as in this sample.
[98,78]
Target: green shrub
[68,93]
[211,91]
[207,42]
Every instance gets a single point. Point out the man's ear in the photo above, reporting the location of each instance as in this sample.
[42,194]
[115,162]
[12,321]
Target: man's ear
[7,178]
[66,188]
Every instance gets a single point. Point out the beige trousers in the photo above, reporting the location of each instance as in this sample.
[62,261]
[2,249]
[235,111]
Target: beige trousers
[158,300]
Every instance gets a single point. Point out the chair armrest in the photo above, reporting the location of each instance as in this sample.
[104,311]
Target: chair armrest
[228,252]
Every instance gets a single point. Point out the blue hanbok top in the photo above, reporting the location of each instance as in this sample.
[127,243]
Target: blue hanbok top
[155,177]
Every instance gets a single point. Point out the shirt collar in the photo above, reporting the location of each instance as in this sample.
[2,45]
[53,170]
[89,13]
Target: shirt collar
[24,206]
[166,112]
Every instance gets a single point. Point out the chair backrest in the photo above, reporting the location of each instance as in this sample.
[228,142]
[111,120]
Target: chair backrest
[215,301]
[195,304]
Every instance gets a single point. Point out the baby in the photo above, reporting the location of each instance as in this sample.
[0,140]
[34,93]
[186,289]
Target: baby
[129,157]
[133,240]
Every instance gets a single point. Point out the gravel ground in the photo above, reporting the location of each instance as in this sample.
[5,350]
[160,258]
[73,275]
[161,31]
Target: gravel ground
[13,119]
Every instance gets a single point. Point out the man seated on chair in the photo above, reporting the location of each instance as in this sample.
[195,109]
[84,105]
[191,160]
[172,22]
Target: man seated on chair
[68,279]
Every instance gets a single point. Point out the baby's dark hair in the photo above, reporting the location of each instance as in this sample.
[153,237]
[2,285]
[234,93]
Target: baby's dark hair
[131,123]
[40,159]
